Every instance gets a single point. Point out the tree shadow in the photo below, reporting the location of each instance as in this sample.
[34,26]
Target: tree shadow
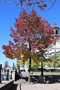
[46,79]
[13,87]
[52,79]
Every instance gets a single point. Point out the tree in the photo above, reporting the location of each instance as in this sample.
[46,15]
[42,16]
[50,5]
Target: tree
[31,33]
[55,59]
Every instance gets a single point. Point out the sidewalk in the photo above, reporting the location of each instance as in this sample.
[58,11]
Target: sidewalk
[39,87]
[26,86]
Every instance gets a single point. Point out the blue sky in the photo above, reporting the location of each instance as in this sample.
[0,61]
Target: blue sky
[8,13]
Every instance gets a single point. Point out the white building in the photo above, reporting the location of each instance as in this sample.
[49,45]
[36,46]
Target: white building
[54,48]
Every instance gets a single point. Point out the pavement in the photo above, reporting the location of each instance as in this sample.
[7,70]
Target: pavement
[23,85]
[39,87]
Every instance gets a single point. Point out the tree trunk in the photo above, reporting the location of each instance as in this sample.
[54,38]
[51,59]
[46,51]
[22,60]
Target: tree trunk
[29,64]
[41,67]
[29,69]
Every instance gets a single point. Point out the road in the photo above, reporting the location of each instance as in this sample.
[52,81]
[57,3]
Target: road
[26,74]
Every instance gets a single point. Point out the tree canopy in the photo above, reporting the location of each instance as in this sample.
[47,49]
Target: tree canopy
[31,32]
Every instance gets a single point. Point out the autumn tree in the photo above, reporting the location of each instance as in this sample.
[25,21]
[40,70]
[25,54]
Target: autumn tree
[31,33]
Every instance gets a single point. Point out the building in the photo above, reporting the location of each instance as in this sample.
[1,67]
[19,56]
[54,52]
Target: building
[54,48]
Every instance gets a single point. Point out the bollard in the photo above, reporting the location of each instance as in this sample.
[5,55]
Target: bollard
[0,72]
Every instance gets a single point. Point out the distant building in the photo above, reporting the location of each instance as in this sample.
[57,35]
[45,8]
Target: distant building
[56,28]
[54,48]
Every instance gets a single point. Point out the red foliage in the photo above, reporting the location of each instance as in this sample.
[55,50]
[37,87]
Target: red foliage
[39,3]
[31,29]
